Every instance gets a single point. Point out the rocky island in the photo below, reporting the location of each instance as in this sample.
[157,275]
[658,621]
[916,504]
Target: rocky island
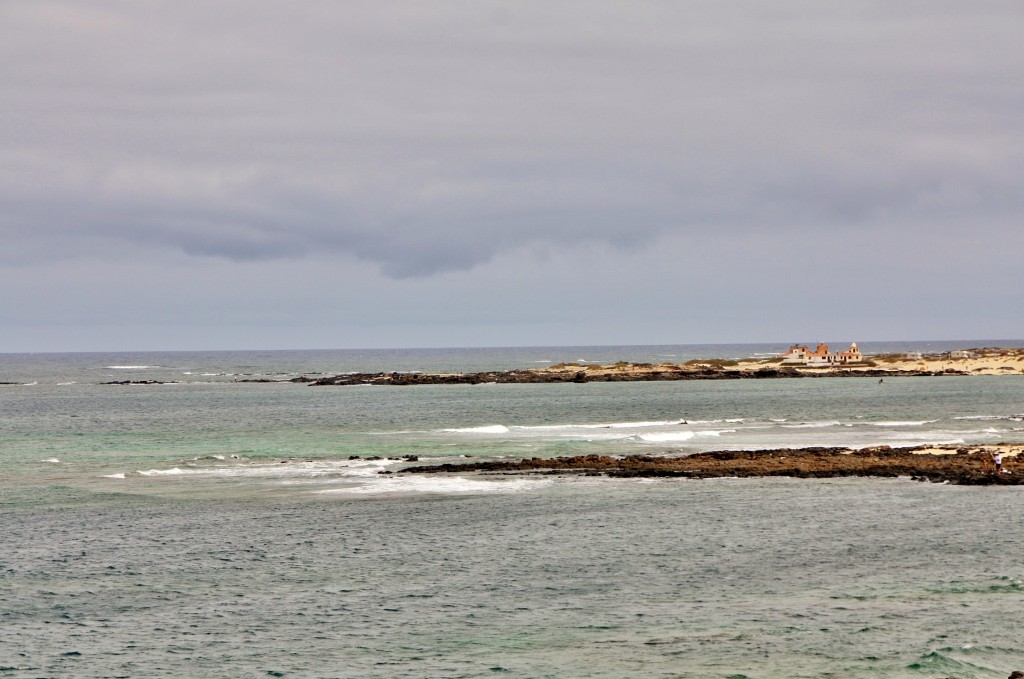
[963,465]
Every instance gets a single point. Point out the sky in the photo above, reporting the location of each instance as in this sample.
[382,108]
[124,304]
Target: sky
[187,174]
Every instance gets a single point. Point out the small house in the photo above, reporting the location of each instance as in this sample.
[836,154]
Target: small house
[801,354]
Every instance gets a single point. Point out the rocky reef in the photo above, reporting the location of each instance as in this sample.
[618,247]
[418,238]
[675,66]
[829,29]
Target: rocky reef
[963,466]
[635,373]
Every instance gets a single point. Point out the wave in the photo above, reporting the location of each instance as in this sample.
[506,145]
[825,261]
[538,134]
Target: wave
[485,429]
[602,425]
[716,432]
[898,423]
[456,485]
[813,425]
[666,437]
[676,436]
[990,432]
[309,469]
[986,418]
[175,471]
[945,661]
[119,475]
[51,460]
[131,367]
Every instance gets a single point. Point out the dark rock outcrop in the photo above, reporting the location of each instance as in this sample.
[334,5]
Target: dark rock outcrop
[973,467]
[655,374]
[139,382]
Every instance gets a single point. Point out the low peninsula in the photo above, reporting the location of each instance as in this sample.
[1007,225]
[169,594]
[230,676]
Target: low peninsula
[961,465]
[983,361]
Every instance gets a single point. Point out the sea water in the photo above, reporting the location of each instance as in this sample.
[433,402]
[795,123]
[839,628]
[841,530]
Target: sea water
[217,528]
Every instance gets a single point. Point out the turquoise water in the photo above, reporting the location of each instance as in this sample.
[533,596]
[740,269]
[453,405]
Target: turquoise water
[211,528]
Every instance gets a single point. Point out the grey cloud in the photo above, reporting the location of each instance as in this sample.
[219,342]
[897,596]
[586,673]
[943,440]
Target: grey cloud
[432,137]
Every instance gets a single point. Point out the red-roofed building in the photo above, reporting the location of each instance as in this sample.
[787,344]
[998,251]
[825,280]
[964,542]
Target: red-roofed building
[801,354]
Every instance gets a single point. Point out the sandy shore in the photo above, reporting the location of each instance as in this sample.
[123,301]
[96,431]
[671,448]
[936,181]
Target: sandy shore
[983,361]
[965,465]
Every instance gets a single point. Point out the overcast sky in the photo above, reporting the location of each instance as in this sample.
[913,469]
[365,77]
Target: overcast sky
[208,174]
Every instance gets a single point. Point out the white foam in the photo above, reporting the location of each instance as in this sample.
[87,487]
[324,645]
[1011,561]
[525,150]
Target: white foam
[30,384]
[487,429]
[130,367]
[51,460]
[603,425]
[990,432]
[901,440]
[162,472]
[114,476]
[716,432]
[897,423]
[813,425]
[440,484]
[280,469]
[663,437]
[65,384]
[1012,418]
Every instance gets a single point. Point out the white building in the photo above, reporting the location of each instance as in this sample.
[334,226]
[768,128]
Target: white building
[801,354]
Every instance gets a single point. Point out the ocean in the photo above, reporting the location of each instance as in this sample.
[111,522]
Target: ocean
[212,527]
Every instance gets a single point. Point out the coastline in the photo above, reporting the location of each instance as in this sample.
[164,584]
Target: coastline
[954,464]
[982,361]
[424,370]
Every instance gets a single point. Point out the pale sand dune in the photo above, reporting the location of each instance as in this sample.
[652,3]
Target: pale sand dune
[986,362]
[1007,449]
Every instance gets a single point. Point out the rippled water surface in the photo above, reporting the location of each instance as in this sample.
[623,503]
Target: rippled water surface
[212,528]
[575,578]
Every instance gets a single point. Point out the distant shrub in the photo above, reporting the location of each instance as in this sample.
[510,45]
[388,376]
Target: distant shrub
[889,358]
[713,362]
